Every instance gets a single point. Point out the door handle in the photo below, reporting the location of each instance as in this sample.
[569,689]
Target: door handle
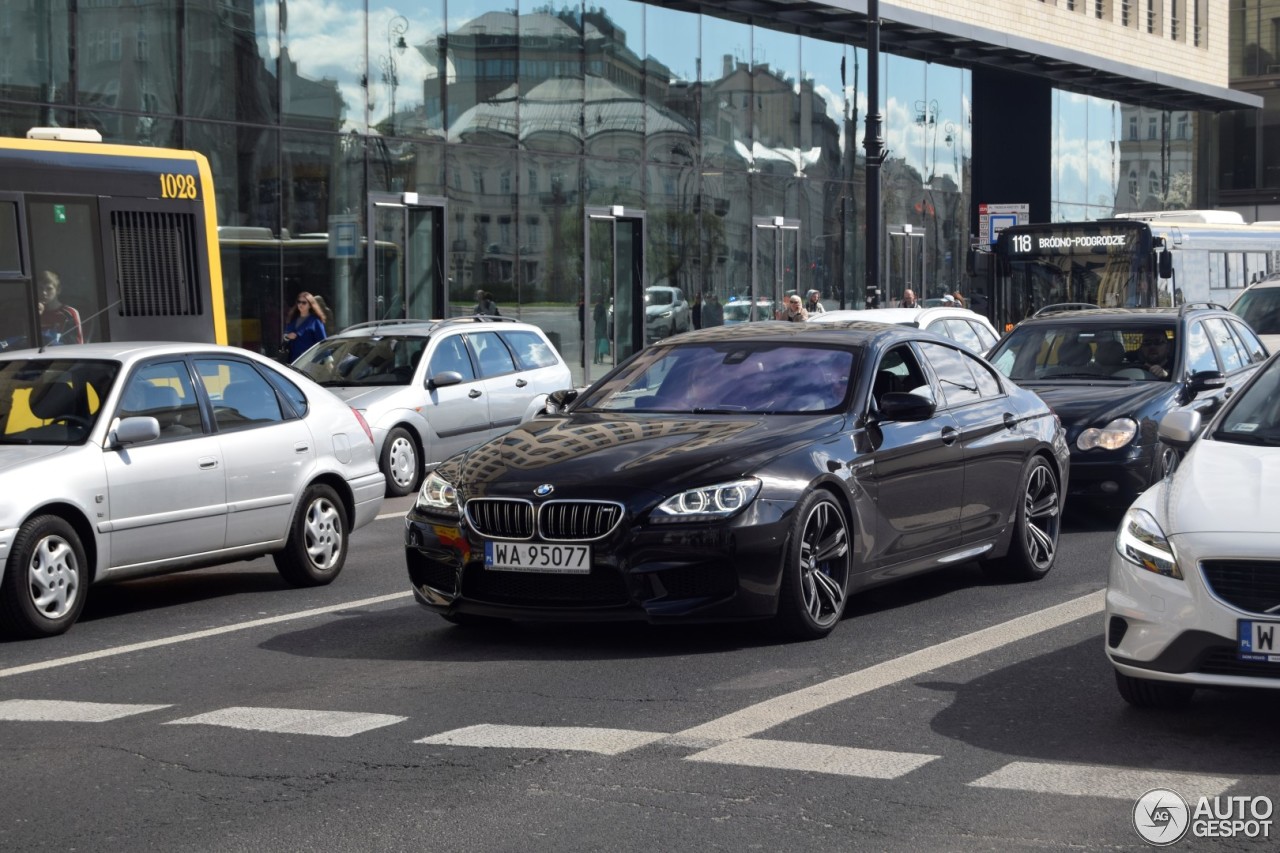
[949,435]
[475,392]
[1010,422]
[207,462]
[301,447]
[520,383]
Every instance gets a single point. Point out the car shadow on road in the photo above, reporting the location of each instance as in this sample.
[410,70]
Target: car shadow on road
[1064,707]
[116,599]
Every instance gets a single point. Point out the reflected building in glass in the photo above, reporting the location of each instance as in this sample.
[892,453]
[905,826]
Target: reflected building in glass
[560,157]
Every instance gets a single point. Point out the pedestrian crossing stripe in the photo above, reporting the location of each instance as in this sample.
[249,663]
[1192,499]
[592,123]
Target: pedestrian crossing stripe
[1092,780]
[59,711]
[292,721]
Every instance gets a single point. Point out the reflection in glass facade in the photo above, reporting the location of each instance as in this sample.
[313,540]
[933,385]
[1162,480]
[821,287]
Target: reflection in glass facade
[498,124]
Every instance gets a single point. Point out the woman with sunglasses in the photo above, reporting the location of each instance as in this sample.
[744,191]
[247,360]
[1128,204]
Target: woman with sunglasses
[304,326]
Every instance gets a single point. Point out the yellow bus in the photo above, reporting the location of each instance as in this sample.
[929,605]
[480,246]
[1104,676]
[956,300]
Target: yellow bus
[102,242]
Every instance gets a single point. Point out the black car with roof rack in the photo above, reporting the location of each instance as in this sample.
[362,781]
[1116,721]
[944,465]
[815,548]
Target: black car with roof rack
[1111,373]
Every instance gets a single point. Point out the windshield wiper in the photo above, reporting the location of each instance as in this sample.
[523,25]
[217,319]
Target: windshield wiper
[1247,438]
[722,410]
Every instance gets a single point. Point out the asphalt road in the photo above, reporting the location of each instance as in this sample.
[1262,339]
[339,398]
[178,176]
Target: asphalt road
[223,711]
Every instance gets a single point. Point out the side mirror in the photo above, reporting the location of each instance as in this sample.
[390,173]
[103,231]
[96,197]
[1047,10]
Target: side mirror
[1204,380]
[558,401]
[1165,264]
[1179,429]
[135,431]
[901,406]
[444,379]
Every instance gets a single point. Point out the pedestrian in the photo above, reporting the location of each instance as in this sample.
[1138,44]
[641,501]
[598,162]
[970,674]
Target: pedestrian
[303,327]
[713,311]
[485,304]
[600,320]
[696,311]
[794,311]
[958,298]
[909,299]
[814,305]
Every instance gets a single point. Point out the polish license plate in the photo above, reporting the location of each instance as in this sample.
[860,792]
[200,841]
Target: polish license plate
[538,557]
[1259,641]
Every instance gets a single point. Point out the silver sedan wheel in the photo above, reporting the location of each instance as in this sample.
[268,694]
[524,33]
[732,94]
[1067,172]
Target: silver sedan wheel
[54,577]
[402,462]
[323,526]
[824,564]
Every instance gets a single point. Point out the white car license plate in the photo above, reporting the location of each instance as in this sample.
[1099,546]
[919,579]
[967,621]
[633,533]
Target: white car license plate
[1259,641]
[538,557]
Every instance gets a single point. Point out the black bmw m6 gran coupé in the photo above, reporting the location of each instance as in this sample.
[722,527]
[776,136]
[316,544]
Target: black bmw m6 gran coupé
[763,471]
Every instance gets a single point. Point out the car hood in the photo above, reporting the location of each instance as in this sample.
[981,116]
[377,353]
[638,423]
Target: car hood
[1085,404]
[588,453]
[16,455]
[364,396]
[1226,488]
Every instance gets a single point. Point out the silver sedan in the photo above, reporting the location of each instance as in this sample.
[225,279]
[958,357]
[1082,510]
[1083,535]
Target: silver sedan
[125,460]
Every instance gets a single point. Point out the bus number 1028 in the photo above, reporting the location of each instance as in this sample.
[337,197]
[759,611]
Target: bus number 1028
[177,186]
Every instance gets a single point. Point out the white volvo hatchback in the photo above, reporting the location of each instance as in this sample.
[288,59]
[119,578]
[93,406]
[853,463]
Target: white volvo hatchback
[125,460]
[1193,598]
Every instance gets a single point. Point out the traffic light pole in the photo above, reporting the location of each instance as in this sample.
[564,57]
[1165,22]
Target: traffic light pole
[874,143]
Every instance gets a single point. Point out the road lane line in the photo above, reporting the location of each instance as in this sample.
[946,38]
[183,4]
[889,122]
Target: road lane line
[773,712]
[387,515]
[60,711]
[814,758]
[558,738]
[292,721]
[196,635]
[1091,780]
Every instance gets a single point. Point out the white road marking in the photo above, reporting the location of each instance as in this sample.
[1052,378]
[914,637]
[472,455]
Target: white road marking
[815,758]
[197,635]
[387,515]
[1081,780]
[560,738]
[773,712]
[292,721]
[55,711]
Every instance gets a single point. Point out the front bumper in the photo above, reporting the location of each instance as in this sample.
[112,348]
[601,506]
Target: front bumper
[1110,477]
[655,573]
[1165,629]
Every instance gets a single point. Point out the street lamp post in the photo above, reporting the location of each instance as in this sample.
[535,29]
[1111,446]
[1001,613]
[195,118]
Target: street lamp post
[396,45]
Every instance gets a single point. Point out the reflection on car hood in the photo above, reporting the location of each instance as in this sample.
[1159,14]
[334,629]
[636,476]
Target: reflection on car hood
[660,453]
[1226,488]
[1081,404]
[362,397]
[15,455]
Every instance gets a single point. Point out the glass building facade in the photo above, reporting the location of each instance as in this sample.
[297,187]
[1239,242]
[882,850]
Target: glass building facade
[558,157]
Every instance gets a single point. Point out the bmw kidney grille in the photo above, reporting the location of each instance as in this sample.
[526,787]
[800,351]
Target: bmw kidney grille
[555,521]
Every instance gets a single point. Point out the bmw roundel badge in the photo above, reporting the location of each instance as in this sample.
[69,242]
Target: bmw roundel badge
[544,490]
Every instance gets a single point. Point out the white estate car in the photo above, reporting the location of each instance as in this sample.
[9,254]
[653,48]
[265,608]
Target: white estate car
[1259,306]
[125,460]
[1193,598]
[972,331]
[430,388]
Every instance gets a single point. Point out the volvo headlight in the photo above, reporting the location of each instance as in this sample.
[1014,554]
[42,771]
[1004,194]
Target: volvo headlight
[1113,436]
[710,503]
[1142,542]
[438,495]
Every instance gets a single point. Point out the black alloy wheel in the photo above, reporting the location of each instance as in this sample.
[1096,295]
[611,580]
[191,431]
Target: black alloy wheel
[815,575]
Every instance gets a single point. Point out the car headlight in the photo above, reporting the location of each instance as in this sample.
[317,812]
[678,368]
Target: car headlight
[710,503]
[1141,541]
[1113,436]
[438,495]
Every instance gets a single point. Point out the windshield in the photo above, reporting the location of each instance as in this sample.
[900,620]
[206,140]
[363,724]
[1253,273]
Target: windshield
[704,378]
[659,297]
[1260,308]
[52,400]
[1119,353]
[356,361]
[1254,415]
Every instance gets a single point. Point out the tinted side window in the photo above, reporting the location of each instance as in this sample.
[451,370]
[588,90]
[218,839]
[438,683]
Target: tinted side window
[163,391]
[530,350]
[1253,346]
[1199,353]
[988,384]
[491,354]
[957,381]
[451,354]
[242,397]
[1225,344]
[293,395]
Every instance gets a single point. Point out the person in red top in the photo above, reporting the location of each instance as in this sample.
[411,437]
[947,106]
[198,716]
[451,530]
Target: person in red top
[59,324]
